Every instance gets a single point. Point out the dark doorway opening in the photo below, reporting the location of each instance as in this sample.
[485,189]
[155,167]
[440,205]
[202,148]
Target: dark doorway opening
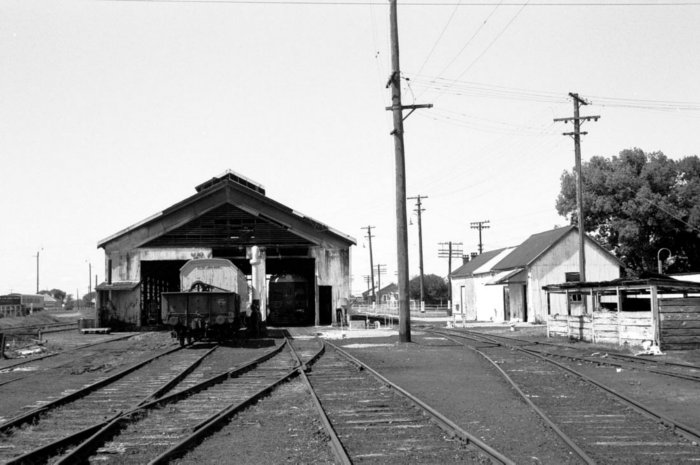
[291,291]
[325,305]
[157,277]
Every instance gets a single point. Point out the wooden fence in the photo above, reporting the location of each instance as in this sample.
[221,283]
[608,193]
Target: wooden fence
[604,327]
[679,323]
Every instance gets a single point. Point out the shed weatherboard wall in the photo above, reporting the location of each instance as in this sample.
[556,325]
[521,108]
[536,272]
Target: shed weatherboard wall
[551,268]
[332,269]
[126,266]
[488,299]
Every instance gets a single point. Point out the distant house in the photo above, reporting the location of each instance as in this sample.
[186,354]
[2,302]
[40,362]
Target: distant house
[50,303]
[518,275]
[470,294]
[388,295]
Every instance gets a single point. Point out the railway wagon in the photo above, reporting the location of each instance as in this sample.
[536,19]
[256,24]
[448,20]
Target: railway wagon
[289,301]
[212,293]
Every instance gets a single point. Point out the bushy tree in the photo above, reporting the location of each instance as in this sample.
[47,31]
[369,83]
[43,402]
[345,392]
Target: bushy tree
[637,203]
[55,293]
[434,289]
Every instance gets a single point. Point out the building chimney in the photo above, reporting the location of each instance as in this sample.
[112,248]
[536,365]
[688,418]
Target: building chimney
[465,259]
[474,255]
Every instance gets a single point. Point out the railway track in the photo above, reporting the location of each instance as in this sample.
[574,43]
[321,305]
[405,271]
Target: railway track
[18,370]
[600,424]
[676,370]
[376,421]
[155,425]
[363,416]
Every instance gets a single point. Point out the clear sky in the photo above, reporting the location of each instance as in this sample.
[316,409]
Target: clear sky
[111,111]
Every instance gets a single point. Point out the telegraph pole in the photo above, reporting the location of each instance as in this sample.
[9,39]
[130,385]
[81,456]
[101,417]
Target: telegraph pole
[480,225]
[576,134]
[454,249]
[371,264]
[401,228]
[381,269]
[420,247]
[37,271]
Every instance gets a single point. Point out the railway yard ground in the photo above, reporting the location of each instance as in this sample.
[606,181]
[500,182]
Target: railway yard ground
[445,368]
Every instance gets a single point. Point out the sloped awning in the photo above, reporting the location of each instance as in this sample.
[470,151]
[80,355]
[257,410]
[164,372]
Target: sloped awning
[118,286]
[507,277]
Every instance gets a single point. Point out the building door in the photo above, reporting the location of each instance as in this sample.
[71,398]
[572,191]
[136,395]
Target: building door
[325,305]
[524,302]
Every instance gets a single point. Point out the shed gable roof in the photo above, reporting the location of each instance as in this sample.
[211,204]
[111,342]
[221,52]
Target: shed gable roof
[471,266]
[226,212]
[533,247]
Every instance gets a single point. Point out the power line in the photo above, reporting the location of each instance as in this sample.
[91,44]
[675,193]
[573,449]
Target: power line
[488,47]
[437,41]
[475,89]
[421,4]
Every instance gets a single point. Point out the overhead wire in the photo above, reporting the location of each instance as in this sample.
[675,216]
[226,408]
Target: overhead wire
[469,41]
[421,4]
[488,47]
[442,33]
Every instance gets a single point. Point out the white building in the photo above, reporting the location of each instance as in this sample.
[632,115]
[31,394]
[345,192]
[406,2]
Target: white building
[507,284]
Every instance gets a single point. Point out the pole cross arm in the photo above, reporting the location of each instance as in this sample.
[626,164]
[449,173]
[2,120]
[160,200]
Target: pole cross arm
[409,107]
[580,118]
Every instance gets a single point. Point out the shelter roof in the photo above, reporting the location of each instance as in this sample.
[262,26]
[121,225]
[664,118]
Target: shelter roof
[475,263]
[118,286]
[663,283]
[227,211]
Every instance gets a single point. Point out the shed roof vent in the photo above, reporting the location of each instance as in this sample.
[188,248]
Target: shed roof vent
[230,175]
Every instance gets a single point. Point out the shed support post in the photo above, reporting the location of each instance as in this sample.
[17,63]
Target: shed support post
[256,256]
[2,346]
[619,316]
[655,315]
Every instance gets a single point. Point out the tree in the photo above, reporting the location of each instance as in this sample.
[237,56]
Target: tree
[637,203]
[434,289]
[55,293]
[89,298]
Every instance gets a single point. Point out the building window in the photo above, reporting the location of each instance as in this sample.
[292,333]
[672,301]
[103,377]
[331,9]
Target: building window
[572,277]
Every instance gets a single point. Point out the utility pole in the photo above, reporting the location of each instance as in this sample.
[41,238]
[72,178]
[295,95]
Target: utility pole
[37,271]
[454,249]
[576,134]
[381,269]
[89,278]
[366,277]
[480,225]
[371,264]
[401,228]
[420,246]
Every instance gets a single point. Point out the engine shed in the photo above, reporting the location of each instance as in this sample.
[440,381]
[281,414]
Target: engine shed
[297,268]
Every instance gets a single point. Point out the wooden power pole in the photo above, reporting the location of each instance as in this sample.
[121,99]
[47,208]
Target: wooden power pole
[576,134]
[401,227]
[454,249]
[371,262]
[419,210]
[480,225]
